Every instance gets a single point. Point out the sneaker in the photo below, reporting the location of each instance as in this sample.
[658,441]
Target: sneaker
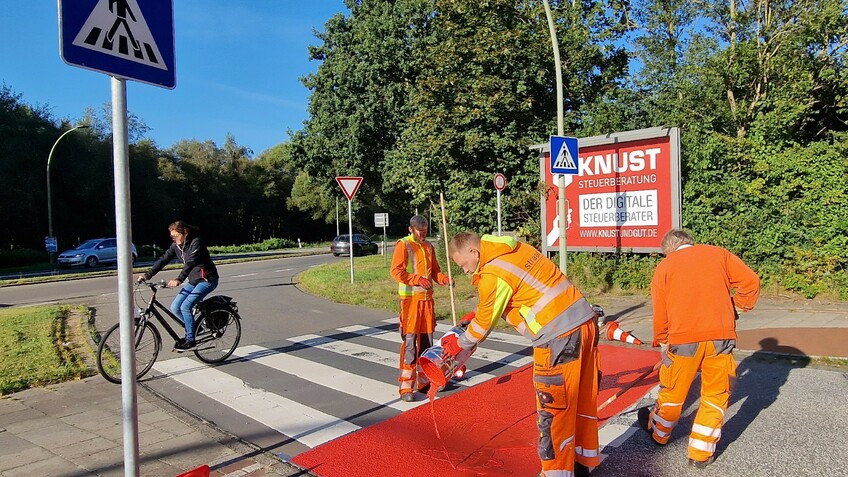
[407,397]
[581,470]
[642,417]
[184,345]
[701,464]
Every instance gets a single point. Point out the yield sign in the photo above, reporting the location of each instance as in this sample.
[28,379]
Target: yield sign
[349,185]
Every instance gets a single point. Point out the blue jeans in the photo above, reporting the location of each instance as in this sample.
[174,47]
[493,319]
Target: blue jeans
[185,300]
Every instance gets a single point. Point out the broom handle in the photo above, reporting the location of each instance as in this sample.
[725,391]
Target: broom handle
[447,254]
[627,388]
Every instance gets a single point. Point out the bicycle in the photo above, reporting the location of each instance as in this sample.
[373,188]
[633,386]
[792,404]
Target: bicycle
[216,321]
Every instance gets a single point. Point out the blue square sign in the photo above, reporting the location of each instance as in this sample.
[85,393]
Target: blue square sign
[564,155]
[132,39]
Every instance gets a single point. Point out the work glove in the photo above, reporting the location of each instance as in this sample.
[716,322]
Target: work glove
[425,283]
[466,319]
[450,343]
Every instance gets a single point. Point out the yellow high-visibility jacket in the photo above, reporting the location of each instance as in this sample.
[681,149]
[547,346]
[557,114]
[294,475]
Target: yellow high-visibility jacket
[518,282]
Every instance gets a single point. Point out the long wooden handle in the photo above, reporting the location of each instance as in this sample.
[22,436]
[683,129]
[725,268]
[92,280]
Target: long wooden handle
[627,388]
[447,254]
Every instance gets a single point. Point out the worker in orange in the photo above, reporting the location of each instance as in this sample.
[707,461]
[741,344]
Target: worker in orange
[517,282]
[695,311]
[415,268]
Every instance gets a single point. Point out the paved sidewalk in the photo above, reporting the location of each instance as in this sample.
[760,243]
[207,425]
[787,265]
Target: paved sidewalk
[75,429]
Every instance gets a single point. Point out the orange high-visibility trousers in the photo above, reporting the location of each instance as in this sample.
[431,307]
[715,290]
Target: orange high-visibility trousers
[565,377]
[718,374]
[417,323]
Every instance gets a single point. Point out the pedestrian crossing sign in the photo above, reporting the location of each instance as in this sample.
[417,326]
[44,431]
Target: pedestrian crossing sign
[564,155]
[132,39]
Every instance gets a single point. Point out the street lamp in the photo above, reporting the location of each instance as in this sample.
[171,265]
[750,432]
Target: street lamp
[49,199]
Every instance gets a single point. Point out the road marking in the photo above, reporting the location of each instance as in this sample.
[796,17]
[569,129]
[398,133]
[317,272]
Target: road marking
[374,355]
[303,423]
[244,275]
[328,376]
[485,354]
[284,270]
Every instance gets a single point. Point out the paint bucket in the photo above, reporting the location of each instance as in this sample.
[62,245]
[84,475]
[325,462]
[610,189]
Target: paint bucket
[440,367]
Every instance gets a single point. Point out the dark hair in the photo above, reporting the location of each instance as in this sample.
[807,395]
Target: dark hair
[182,227]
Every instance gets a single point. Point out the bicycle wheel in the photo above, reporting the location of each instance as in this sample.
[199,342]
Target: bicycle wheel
[217,343]
[148,341]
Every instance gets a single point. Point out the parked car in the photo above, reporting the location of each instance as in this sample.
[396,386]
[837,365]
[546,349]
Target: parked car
[93,252]
[362,245]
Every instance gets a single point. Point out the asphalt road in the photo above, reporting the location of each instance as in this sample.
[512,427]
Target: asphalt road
[310,370]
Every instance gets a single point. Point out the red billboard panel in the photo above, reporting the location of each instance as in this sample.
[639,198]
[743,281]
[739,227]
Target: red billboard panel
[625,197]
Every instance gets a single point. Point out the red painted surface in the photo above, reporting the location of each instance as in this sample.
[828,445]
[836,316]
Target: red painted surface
[487,430]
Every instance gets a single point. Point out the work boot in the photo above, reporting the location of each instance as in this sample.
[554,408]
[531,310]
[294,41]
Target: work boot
[407,397]
[643,416]
[701,464]
[581,470]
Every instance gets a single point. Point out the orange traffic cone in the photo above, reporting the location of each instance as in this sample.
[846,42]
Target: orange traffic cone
[202,471]
[617,334]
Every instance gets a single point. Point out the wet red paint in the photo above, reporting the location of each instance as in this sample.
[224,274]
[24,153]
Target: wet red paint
[486,430]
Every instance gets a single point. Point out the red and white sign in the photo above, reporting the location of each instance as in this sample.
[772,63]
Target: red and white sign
[349,185]
[500,181]
[626,196]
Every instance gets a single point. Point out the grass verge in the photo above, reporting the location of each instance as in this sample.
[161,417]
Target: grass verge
[34,348]
[373,287]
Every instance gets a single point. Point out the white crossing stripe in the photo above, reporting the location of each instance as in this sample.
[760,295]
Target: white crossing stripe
[374,355]
[309,426]
[328,376]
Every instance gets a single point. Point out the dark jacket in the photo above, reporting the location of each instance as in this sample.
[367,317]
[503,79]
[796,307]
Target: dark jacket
[194,255]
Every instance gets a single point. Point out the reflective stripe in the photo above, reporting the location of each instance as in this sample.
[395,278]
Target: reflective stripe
[662,434]
[586,452]
[702,445]
[662,421]
[566,442]
[714,406]
[406,291]
[557,473]
[593,418]
[707,431]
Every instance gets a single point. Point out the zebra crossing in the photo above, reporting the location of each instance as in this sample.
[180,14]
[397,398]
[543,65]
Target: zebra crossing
[313,388]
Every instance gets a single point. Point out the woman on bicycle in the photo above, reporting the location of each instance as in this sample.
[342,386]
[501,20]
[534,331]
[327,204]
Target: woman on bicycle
[198,267]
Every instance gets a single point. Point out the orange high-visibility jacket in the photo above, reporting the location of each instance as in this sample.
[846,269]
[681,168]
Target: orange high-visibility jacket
[516,281]
[691,291]
[413,261]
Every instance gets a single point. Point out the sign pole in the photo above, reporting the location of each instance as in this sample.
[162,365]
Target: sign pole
[129,397]
[350,236]
[560,131]
[499,212]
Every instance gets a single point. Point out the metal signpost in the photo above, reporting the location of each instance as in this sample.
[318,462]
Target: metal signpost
[382,220]
[500,183]
[563,162]
[126,39]
[349,186]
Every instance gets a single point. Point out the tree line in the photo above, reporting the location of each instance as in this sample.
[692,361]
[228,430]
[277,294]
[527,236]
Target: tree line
[422,97]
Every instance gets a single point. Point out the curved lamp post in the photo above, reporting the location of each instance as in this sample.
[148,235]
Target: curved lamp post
[49,199]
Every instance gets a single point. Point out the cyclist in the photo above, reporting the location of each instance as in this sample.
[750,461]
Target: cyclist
[198,267]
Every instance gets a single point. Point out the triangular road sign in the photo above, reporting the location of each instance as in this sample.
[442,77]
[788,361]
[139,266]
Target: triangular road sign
[349,185]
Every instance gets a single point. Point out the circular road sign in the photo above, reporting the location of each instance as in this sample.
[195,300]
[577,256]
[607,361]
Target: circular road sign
[500,181]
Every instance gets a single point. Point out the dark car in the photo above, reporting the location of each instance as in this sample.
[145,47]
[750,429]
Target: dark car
[93,252]
[362,245]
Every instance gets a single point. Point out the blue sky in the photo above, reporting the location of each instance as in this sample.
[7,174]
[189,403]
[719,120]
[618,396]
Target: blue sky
[238,69]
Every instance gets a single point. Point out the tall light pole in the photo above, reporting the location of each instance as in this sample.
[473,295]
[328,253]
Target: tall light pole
[49,197]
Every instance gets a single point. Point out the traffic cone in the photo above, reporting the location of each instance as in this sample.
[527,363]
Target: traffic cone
[617,334]
[202,471]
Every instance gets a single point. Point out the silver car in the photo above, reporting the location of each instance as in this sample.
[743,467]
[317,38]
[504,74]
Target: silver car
[93,252]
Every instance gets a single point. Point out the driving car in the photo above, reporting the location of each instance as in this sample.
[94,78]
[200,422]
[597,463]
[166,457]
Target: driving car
[93,252]
[362,245]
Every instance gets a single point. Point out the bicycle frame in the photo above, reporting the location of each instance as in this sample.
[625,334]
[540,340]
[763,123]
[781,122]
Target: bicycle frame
[155,308]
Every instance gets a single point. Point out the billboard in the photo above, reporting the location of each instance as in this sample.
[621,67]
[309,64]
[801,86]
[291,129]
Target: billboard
[625,198]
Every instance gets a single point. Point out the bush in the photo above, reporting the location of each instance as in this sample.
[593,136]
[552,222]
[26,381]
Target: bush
[21,257]
[265,246]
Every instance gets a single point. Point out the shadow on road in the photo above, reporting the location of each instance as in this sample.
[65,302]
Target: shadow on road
[759,379]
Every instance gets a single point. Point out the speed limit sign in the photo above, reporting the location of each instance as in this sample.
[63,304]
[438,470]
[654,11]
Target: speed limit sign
[500,181]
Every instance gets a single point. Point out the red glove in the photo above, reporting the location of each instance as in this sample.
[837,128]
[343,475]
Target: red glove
[450,343]
[466,319]
[425,283]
